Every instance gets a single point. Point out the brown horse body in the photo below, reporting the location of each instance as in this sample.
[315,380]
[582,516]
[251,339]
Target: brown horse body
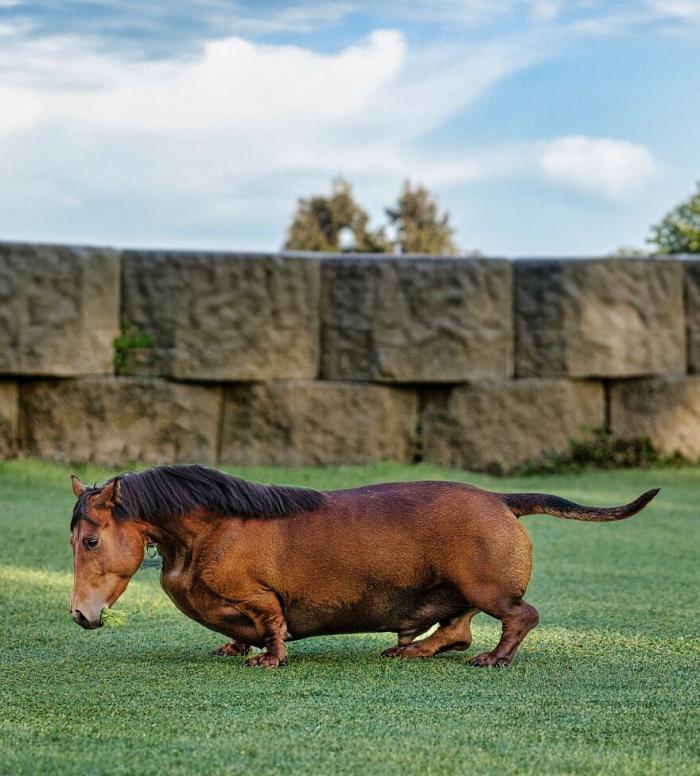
[399,557]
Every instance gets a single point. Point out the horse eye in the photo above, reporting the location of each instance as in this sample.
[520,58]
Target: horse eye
[91,543]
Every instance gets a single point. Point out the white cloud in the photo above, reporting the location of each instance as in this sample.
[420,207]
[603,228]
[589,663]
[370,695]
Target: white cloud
[241,122]
[144,149]
[601,167]
[473,13]
[613,168]
[670,16]
[546,10]
[463,12]
[683,10]
[308,17]
[237,85]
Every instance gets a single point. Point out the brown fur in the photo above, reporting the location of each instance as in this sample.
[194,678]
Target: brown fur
[400,557]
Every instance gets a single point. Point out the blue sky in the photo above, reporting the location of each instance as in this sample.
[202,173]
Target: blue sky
[545,127]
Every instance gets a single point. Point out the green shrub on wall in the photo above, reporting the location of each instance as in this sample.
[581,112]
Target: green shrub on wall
[131,339]
[601,450]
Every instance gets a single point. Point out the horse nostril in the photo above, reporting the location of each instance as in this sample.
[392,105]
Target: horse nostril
[80,618]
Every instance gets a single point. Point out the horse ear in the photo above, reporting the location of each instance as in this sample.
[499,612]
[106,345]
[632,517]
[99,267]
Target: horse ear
[110,496]
[78,486]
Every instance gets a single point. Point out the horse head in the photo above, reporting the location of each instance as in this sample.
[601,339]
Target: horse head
[107,551]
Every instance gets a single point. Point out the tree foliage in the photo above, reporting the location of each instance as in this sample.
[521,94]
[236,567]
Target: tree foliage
[337,223]
[320,224]
[628,251]
[679,231]
[420,228]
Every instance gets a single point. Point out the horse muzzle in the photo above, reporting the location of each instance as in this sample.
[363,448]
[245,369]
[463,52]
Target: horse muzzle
[80,619]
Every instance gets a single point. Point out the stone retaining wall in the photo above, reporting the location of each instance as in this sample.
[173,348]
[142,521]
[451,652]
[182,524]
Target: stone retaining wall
[296,359]
[9,418]
[417,320]
[113,420]
[600,318]
[59,309]
[225,316]
[496,424]
[299,423]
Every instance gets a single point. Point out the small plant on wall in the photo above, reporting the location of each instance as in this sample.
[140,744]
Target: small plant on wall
[132,342]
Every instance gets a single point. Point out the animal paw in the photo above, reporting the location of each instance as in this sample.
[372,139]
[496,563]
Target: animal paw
[488,660]
[406,652]
[232,649]
[393,651]
[266,660]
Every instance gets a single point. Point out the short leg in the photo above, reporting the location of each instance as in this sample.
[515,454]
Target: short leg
[404,639]
[518,619]
[453,634]
[264,610]
[232,649]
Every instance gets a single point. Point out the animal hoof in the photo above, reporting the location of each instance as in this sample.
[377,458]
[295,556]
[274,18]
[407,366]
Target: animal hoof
[487,660]
[232,649]
[266,660]
[407,652]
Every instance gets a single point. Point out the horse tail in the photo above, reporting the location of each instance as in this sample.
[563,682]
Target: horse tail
[543,504]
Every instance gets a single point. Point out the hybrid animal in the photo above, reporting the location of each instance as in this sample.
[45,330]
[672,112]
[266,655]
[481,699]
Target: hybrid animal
[265,565]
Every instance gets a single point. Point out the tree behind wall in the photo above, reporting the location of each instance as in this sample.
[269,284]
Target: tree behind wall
[420,228]
[337,223]
[679,231]
[322,224]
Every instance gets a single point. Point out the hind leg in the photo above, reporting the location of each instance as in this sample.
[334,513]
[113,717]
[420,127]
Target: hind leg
[404,639]
[518,619]
[232,649]
[453,634]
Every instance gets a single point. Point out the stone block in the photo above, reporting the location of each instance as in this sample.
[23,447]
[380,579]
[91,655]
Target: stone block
[116,420]
[308,423]
[664,409]
[497,425]
[599,317]
[225,316]
[59,309]
[9,418]
[408,320]
[692,312]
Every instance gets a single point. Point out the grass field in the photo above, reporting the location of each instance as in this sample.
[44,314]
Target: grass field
[608,683]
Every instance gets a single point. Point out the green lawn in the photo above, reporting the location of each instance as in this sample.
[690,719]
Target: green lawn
[607,683]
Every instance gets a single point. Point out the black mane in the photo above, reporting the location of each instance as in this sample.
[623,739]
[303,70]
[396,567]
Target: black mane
[172,491]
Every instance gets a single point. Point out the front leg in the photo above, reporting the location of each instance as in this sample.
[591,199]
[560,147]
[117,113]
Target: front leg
[263,608]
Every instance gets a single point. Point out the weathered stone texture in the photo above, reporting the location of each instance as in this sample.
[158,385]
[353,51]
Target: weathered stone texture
[116,420]
[300,423]
[59,309]
[599,318]
[664,409]
[692,312]
[416,319]
[9,418]
[490,425]
[225,316]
